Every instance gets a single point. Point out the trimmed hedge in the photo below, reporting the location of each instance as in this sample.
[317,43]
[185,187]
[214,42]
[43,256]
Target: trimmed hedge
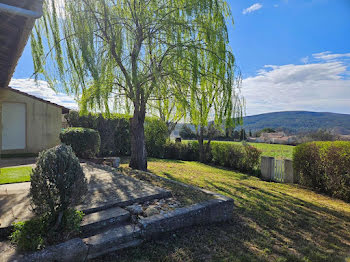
[245,158]
[325,167]
[84,141]
[181,151]
[114,131]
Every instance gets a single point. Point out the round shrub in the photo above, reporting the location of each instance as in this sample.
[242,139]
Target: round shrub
[156,134]
[57,182]
[84,141]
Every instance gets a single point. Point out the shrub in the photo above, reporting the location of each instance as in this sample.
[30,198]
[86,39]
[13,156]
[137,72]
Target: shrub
[171,150]
[252,158]
[186,132]
[325,167]
[114,130]
[227,155]
[36,233]
[189,151]
[84,141]
[156,134]
[181,151]
[240,157]
[57,182]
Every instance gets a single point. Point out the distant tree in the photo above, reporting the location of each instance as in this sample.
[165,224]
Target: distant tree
[236,135]
[186,132]
[250,133]
[229,132]
[242,135]
[322,135]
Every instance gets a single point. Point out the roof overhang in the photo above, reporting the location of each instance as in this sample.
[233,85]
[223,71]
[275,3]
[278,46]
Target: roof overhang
[65,110]
[17,18]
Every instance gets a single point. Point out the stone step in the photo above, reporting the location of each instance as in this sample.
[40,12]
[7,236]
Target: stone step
[113,239]
[96,207]
[103,219]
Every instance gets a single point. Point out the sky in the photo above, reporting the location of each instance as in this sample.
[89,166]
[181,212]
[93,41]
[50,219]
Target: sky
[293,55]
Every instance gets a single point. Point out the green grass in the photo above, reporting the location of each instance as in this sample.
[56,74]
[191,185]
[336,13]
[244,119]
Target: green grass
[273,150]
[15,174]
[271,222]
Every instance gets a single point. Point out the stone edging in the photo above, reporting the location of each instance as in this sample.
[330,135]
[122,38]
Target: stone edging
[218,209]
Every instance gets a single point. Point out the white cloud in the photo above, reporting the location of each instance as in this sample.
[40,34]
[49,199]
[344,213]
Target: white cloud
[275,6]
[329,56]
[42,90]
[317,86]
[305,60]
[252,8]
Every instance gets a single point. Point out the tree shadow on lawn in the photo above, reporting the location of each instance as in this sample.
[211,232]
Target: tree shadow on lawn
[268,225]
[292,227]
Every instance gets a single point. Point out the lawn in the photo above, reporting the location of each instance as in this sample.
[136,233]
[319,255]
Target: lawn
[273,150]
[15,174]
[272,222]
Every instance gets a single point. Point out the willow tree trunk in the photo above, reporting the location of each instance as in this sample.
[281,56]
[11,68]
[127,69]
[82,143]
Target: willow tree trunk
[138,158]
[201,145]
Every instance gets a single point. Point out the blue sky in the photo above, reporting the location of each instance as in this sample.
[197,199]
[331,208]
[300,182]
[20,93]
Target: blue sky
[293,54]
[282,32]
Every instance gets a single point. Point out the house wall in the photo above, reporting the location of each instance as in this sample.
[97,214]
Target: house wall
[43,122]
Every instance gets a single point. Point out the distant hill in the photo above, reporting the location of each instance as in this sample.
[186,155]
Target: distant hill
[295,122]
[299,121]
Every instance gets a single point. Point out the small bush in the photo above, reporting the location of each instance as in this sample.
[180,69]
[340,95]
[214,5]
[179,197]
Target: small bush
[325,167]
[240,157]
[156,134]
[57,182]
[84,141]
[37,233]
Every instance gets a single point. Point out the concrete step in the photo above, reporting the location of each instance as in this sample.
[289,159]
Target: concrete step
[96,207]
[115,238]
[103,219]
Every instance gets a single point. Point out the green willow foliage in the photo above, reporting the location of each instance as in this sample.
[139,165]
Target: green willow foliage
[138,52]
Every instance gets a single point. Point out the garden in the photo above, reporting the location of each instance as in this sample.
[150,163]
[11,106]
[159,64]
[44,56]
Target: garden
[287,222]
[157,63]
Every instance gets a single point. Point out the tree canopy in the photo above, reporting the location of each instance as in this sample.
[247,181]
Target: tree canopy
[134,51]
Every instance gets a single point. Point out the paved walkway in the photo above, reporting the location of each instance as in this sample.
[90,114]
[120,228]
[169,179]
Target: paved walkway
[7,162]
[103,187]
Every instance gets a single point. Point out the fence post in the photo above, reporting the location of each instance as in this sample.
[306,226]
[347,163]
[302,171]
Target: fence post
[267,167]
[289,172]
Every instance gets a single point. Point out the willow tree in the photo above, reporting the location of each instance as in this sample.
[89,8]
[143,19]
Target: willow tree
[128,49]
[214,102]
[166,106]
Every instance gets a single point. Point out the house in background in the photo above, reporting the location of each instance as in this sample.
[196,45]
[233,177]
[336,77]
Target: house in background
[28,124]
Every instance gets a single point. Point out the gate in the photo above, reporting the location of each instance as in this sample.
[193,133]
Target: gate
[278,172]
